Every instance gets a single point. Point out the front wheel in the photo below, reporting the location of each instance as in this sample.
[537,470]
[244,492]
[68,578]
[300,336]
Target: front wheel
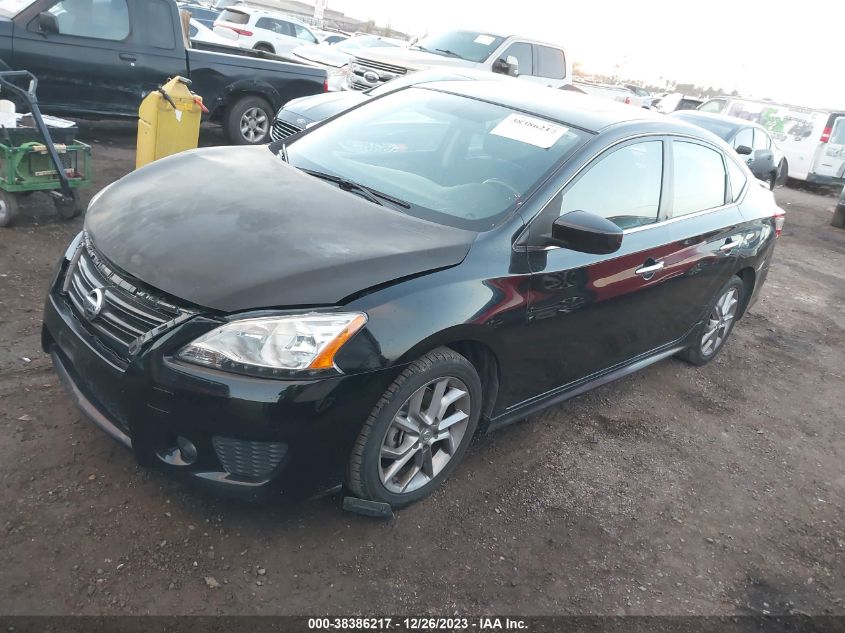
[8,208]
[248,121]
[709,337]
[418,431]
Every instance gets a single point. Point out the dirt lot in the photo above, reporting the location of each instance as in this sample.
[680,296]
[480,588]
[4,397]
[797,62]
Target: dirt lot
[675,491]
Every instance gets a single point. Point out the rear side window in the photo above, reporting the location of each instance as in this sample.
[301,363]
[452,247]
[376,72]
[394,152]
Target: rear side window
[714,105]
[524,55]
[235,17]
[737,179]
[623,187]
[550,62]
[761,140]
[699,182]
[99,19]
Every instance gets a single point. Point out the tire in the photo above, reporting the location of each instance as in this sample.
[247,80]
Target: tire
[703,350]
[370,473]
[8,208]
[68,209]
[242,111]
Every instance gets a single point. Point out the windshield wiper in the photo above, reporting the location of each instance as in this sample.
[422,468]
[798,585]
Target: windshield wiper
[349,185]
[421,48]
[446,51]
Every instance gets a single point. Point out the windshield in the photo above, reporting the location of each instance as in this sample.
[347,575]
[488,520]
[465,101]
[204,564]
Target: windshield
[722,129]
[472,46]
[10,8]
[363,41]
[454,160]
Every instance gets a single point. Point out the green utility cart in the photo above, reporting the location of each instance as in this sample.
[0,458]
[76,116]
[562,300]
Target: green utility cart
[37,157]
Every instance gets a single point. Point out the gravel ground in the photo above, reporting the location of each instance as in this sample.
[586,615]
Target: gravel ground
[677,490]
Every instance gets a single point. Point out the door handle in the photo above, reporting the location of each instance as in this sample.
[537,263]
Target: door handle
[127,57]
[648,271]
[728,246]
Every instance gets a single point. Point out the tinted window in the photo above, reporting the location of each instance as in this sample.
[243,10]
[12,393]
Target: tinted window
[550,62]
[100,19]
[699,178]
[470,45]
[737,178]
[304,34]
[524,55]
[192,31]
[235,17]
[744,137]
[623,187]
[455,160]
[722,129]
[158,15]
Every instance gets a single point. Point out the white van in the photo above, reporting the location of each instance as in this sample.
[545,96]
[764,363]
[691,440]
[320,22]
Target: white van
[530,60]
[813,141]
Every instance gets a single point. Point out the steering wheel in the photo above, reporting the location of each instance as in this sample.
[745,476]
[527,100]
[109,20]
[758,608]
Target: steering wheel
[504,185]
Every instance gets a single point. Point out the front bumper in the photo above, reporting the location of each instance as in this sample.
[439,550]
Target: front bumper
[254,438]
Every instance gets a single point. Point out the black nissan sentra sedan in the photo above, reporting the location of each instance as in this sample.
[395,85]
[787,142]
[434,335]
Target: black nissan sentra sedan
[353,307]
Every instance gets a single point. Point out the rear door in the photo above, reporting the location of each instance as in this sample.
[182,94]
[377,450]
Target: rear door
[85,66]
[830,162]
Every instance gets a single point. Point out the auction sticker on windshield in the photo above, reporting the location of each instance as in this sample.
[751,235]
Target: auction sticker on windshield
[484,40]
[529,130]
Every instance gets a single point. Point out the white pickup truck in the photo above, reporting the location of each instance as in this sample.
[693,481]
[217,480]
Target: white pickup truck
[528,59]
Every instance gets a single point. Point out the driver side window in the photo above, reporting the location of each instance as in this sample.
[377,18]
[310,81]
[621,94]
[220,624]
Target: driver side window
[623,187]
[99,19]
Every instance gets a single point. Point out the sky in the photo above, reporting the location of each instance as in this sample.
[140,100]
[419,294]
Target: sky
[786,51]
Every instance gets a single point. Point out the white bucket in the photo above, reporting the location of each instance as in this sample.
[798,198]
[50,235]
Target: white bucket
[8,118]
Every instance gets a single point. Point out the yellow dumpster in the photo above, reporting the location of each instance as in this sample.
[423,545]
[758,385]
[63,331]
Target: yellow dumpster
[168,121]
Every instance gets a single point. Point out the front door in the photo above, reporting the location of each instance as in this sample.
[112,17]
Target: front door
[82,67]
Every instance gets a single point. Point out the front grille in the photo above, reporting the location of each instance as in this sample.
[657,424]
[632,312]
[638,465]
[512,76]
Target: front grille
[379,67]
[283,129]
[360,85]
[249,459]
[128,315]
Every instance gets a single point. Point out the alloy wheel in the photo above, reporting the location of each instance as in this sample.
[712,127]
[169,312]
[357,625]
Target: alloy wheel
[254,124]
[424,435]
[719,322]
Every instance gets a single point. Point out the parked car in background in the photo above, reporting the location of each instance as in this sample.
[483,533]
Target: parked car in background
[298,114]
[646,98]
[104,67]
[530,60]
[335,59]
[812,140]
[445,259]
[676,101]
[751,141]
[617,93]
[263,30]
[203,14]
[198,32]
[330,37]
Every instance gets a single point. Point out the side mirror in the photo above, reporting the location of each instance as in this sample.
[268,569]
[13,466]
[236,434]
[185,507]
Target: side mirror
[48,23]
[509,66]
[743,150]
[586,233]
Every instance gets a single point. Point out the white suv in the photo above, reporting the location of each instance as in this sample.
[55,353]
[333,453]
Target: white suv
[263,30]
[530,60]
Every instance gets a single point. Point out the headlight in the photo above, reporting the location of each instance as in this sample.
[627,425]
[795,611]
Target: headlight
[274,345]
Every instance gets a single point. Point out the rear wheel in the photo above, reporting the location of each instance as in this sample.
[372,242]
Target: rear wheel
[68,208]
[8,208]
[418,431]
[709,337]
[248,121]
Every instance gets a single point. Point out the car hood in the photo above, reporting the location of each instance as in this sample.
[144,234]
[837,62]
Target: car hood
[413,59]
[323,54]
[322,106]
[236,229]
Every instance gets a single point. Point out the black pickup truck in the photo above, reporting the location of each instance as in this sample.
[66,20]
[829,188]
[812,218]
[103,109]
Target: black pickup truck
[101,57]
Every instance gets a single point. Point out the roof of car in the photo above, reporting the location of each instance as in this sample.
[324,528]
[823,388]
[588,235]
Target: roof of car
[571,108]
[704,116]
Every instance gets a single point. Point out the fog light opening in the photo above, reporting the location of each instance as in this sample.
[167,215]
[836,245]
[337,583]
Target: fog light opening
[184,453]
